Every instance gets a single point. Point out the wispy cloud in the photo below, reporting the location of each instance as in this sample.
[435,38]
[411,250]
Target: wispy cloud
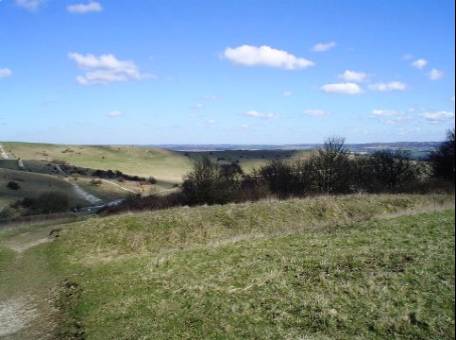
[324,46]
[315,112]
[256,114]
[287,93]
[5,72]
[105,69]
[83,8]
[29,5]
[438,116]
[390,117]
[115,114]
[390,86]
[420,63]
[435,74]
[342,88]
[248,55]
[353,76]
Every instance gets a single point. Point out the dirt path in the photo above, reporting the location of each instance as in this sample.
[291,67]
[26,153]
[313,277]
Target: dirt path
[119,186]
[3,153]
[26,285]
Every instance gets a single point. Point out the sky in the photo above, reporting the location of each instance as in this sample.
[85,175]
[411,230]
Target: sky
[226,71]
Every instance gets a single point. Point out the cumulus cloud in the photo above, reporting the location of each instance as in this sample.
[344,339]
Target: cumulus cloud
[343,88]
[105,69]
[391,86]
[83,8]
[30,5]
[420,63]
[323,47]
[315,112]
[5,72]
[114,114]
[435,74]
[248,55]
[438,116]
[256,114]
[353,76]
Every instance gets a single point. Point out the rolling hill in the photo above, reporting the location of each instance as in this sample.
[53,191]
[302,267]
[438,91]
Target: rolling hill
[360,266]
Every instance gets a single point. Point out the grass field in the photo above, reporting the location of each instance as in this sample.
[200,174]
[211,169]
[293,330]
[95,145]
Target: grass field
[368,266]
[32,185]
[165,165]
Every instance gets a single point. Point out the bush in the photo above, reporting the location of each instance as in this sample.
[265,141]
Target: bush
[390,171]
[442,160]
[211,183]
[47,203]
[13,185]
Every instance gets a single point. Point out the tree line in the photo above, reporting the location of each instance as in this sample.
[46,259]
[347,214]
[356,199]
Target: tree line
[332,169]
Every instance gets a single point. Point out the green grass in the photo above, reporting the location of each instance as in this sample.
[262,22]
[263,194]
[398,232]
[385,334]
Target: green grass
[32,185]
[159,163]
[346,267]
[165,165]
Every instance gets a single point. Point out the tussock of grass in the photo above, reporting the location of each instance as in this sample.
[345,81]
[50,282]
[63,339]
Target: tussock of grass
[161,231]
[381,278]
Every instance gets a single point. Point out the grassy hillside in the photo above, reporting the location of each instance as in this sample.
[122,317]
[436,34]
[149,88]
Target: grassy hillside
[165,165]
[348,267]
[368,266]
[32,185]
[162,164]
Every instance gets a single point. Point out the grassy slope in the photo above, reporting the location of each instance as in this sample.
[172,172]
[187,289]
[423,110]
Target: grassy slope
[165,165]
[266,270]
[32,185]
[162,164]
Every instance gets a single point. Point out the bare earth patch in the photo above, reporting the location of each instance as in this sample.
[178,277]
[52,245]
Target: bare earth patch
[15,315]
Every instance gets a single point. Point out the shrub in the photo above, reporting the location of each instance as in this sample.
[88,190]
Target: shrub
[47,203]
[13,185]
[389,171]
[331,167]
[211,183]
[442,160]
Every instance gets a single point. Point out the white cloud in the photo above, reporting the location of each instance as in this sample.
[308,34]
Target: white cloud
[420,63]
[435,74]
[390,117]
[385,113]
[287,93]
[211,121]
[105,69]
[114,114]
[343,88]
[391,86]
[407,56]
[5,72]
[92,6]
[438,116]
[315,112]
[353,76]
[323,47]
[256,114]
[248,55]
[30,5]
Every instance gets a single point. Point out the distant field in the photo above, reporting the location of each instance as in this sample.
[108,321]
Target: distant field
[167,166]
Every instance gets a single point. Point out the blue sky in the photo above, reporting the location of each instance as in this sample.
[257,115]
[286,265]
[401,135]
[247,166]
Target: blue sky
[237,71]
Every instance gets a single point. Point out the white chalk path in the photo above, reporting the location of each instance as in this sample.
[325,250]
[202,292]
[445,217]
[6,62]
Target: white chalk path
[78,190]
[16,314]
[119,186]
[3,153]
[21,165]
